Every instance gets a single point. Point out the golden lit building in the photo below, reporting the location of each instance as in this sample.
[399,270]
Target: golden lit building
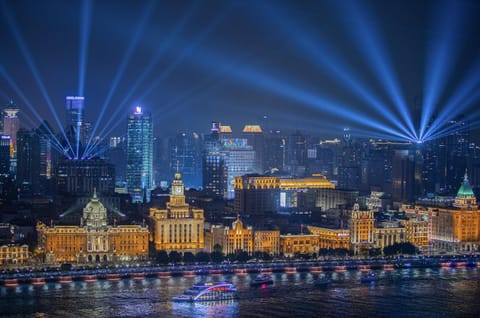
[361,225]
[238,238]
[14,254]
[331,238]
[267,242]
[94,240]
[416,232]
[262,195]
[386,236]
[290,245]
[179,227]
[457,228]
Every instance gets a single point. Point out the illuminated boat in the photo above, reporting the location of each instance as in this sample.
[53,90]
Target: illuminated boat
[211,291]
[368,278]
[38,281]
[113,277]
[363,267]
[262,279]
[266,270]
[13,282]
[388,266]
[215,272]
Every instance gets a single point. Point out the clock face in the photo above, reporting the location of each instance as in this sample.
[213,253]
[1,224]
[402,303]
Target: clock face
[178,190]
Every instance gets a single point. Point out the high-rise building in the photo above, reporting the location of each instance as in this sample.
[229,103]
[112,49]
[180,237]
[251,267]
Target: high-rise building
[28,162]
[239,159]
[186,156]
[4,155]
[255,138]
[139,155]
[74,123]
[81,177]
[179,227]
[11,124]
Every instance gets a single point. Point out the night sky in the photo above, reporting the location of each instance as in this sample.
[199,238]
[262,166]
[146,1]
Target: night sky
[281,64]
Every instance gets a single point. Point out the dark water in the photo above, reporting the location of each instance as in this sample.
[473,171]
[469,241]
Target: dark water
[397,293]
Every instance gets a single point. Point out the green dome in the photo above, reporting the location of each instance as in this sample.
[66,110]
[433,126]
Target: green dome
[465,189]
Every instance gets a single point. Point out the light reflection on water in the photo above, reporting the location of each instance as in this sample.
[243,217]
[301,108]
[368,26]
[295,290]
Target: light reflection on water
[399,293]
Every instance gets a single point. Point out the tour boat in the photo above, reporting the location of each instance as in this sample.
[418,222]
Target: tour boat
[262,279]
[210,291]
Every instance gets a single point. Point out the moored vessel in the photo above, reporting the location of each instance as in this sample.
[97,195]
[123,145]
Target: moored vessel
[210,291]
[262,279]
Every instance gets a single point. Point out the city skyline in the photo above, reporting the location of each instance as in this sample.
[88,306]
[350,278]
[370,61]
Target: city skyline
[379,68]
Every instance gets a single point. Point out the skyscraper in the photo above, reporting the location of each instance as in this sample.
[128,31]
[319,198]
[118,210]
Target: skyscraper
[74,122]
[11,124]
[139,154]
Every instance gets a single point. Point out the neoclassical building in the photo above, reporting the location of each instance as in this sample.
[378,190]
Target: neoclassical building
[94,240]
[457,228]
[179,227]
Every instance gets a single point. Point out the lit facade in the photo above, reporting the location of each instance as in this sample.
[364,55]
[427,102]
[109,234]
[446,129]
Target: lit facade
[179,227]
[267,242]
[416,232]
[259,195]
[361,225]
[331,238]
[290,244]
[94,240]
[388,236]
[11,124]
[14,254]
[139,155]
[238,238]
[457,228]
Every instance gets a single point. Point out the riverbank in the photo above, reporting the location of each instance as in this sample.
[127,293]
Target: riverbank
[13,278]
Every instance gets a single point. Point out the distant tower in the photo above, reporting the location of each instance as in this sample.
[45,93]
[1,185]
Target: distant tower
[139,154]
[11,125]
[74,121]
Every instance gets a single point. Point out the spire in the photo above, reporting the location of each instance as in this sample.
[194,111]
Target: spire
[95,193]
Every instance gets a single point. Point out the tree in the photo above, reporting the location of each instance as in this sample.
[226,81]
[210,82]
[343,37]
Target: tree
[162,257]
[217,248]
[188,258]
[202,257]
[175,257]
[217,257]
[242,256]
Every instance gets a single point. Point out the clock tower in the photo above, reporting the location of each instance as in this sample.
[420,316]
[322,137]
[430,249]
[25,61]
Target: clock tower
[179,227]
[177,197]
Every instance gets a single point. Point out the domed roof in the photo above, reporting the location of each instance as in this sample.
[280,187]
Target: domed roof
[465,189]
[94,204]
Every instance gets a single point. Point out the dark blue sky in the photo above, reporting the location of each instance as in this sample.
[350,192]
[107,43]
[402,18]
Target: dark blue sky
[190,62]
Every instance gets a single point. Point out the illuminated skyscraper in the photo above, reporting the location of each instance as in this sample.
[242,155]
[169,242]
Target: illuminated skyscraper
[11,125]
[139,155]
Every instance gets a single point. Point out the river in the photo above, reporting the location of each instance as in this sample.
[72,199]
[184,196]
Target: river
[414,292]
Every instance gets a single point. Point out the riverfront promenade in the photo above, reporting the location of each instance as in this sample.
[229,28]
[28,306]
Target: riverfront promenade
[13,277]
